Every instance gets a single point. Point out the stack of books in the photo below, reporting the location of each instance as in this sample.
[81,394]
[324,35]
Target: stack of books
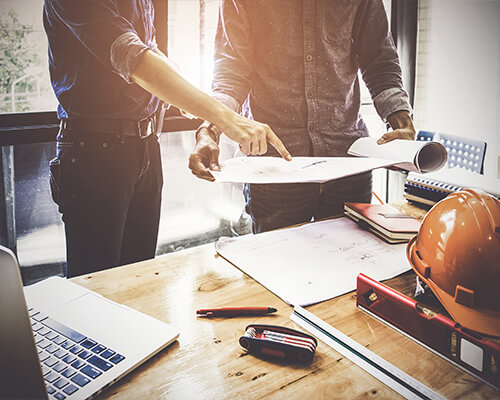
[383,220]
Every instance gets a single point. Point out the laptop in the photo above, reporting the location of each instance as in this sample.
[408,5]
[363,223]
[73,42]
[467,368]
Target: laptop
[59,340]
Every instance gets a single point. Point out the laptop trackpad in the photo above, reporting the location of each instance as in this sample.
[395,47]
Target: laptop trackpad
[107,322]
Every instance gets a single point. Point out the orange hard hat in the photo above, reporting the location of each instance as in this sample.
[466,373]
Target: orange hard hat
[457,254]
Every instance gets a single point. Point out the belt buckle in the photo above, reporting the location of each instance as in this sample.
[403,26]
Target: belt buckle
[150,124]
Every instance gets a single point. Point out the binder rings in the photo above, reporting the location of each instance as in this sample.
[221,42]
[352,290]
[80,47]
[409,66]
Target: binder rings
[427,191]
[430,188]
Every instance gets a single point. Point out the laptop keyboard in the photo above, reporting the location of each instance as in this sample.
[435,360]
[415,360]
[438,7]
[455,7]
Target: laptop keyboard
[69,359]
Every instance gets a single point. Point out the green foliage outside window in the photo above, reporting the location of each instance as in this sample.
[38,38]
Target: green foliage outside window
[18,60]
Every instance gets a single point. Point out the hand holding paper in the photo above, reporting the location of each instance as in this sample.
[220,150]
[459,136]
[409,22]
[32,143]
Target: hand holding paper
[205,157]
[410,155]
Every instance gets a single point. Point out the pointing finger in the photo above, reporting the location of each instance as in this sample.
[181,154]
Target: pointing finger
[278,145]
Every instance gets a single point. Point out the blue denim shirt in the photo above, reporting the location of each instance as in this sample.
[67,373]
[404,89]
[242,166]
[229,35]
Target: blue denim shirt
[294,64]
[93,47]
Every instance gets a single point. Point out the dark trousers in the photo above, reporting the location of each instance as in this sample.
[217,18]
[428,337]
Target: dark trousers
[274,206]
[108,189]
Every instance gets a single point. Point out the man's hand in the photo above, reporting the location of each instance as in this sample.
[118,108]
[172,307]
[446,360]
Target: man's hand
[402,126]
[205,156]
[155,73]
[253,136]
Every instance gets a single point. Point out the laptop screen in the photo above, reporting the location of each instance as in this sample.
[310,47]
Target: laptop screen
[20,372]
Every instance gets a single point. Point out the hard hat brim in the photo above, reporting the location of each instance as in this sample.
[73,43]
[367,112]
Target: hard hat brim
[479,320]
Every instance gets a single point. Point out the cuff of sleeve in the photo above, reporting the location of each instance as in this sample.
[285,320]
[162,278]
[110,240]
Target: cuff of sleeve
[125,53]
[212,129]
[228,101]
[391,100]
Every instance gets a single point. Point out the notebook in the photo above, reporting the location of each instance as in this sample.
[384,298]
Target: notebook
[430,188]
[427,191]
[59,340]
[385,221]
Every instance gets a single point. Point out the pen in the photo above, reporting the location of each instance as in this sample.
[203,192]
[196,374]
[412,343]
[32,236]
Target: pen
[234,311]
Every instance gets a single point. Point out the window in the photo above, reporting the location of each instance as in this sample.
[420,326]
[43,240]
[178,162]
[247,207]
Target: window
[32,225]
[191,34]
[24,76]
[193,211]
[195,206]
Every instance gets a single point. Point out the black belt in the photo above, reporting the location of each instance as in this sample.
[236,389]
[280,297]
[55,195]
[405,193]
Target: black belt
[120,127]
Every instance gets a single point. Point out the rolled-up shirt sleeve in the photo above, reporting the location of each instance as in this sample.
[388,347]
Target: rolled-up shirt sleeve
[378,59]
[99,27]
[391,100]
[228,101]
[125,53]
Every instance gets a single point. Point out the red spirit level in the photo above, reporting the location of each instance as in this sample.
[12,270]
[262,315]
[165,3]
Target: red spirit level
[474,353]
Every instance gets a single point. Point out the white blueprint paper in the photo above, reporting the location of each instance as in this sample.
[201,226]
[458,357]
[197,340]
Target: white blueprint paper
[314,262]
[300,169]
[407,154]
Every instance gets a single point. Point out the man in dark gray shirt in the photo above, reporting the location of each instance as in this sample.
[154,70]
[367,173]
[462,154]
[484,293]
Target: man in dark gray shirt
[294,64]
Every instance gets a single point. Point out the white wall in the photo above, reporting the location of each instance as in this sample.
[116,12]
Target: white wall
[458,72]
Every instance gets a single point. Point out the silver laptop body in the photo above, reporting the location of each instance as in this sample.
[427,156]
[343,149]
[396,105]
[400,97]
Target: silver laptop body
[60,340]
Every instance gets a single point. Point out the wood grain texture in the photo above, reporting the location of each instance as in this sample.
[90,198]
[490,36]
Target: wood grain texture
[207,361]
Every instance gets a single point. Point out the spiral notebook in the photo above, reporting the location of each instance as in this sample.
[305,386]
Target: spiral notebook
[422,189]
[430,188]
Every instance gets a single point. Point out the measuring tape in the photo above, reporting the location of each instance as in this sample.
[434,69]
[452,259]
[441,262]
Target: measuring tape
[376,366]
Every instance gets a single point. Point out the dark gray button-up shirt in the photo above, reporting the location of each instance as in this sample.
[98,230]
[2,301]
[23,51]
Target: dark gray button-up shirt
[294,64]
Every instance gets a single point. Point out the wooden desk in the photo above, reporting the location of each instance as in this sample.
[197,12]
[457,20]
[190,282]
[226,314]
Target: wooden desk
[207,362]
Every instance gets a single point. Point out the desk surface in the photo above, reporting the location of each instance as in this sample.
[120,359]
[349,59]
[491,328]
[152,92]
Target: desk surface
[207,361]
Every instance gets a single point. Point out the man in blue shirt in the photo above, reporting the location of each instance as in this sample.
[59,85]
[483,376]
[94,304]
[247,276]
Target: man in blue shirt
[109,76]
[295,66]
